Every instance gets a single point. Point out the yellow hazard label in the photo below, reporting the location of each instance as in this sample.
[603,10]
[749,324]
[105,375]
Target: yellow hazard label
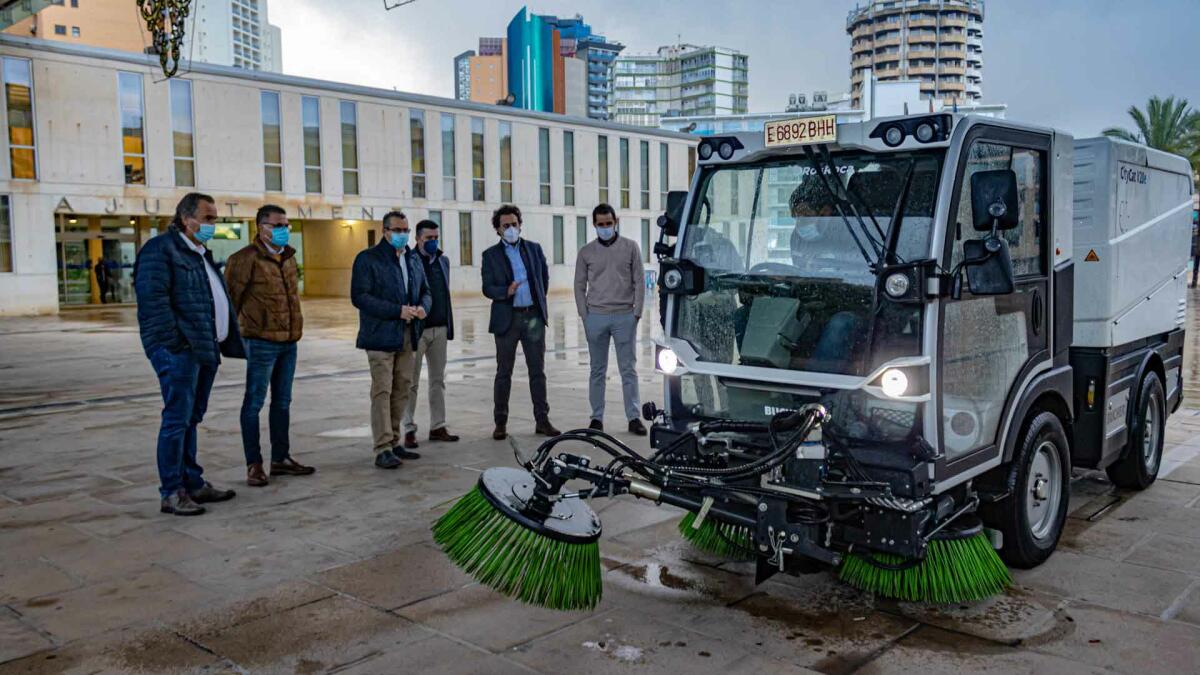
[1091,256]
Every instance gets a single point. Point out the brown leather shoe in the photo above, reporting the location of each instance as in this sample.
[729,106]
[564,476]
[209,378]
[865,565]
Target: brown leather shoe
[290,467]
[500,433]
[255,476]
[442,435]
[410,440]
[545,428]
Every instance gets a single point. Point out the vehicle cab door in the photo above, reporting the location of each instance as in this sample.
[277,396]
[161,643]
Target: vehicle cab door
[991,346]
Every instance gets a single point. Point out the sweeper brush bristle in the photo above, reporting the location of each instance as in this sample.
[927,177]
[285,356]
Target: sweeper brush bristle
[720,539]
[954,570]
[516,560]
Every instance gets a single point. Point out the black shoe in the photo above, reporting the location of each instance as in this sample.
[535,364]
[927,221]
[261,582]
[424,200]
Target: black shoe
[636,427]
[545,428]
[500,433]
[405,454]
[180,504]
[597,425]
[387,460]
[208,494]
[410,441]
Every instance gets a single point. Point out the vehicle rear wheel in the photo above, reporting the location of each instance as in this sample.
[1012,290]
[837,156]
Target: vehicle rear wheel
[1138,468]
[1031,518]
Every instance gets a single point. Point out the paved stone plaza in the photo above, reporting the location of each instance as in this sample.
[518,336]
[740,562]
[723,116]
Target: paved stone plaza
[337,572]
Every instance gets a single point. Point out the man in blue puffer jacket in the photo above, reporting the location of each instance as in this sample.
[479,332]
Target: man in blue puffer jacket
[186,324]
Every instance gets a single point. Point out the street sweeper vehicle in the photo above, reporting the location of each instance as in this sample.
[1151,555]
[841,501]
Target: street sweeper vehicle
[886,344]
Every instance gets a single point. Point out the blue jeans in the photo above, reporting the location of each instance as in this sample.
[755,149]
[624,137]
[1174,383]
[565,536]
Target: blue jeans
[273,364]
[185,385]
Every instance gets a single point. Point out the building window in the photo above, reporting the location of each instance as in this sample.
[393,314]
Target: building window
[644,156]
[18,99]
[436,216]
[75,3]
[466,240]
[602,162]
[478,171]
[664,174]
[569,168]
[349,114]
[543,165]
[133,144]
[416,129]
[624,173]
[506,183]
[581,233]
[310,118]
[182,133]
[6,249]
[74,31]
[559,255]
[60,30]
[448,172]
[272,150]
[646,239]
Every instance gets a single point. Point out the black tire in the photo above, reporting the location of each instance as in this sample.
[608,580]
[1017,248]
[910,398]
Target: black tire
[1029,540]
[1139,464]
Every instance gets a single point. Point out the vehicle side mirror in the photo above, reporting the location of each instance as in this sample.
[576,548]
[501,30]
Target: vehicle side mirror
[988,266]
[669,221]
[994,200]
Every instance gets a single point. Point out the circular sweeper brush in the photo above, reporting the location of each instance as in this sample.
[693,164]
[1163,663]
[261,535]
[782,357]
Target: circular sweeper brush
[536,549]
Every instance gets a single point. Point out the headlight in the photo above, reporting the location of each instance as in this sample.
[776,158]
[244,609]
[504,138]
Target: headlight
[894,382]
[668,362]
[894,136]
[725,150]
[672,279]
[925,132]
[897,285]
[705,150]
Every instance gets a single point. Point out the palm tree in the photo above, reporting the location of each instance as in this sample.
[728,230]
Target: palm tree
[1169,125]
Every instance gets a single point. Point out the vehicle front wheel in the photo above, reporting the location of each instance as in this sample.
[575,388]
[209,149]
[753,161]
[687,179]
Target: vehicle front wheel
[1031,518]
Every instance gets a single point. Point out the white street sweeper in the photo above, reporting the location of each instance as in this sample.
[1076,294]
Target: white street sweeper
[885,346]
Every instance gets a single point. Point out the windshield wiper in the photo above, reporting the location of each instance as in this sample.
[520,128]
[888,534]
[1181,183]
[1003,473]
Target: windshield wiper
[854,193]
[893,231]
[837,203]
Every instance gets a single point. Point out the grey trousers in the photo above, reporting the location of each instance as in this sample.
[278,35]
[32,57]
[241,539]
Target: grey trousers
[529,331]
[621,330]
[431,347]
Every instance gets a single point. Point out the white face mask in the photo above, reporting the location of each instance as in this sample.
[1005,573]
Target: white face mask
[606,233]
[512,234]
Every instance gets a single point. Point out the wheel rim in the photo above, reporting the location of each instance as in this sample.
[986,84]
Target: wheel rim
[1150,434]
[1044,492]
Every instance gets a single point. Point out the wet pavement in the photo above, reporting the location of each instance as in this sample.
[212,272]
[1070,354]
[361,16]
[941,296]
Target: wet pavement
[337,571]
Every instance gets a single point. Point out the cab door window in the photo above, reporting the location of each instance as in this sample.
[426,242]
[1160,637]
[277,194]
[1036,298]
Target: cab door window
[1025,240]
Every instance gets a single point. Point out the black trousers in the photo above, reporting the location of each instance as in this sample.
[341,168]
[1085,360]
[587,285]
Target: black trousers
[529,331]
[1195,268]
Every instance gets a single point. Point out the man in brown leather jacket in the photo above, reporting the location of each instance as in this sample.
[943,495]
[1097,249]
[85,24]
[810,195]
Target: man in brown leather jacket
[263,286]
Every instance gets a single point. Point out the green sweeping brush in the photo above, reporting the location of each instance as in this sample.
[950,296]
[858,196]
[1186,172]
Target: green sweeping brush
[960,565]
[718,538]
[493,535]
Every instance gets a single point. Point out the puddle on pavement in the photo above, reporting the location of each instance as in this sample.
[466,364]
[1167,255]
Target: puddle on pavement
[660,576]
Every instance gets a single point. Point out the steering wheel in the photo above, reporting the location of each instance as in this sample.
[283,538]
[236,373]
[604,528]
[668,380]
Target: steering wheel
[776,268]
[815,265]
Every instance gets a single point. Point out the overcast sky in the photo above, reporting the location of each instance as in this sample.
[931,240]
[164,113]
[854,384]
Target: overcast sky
[1073,64]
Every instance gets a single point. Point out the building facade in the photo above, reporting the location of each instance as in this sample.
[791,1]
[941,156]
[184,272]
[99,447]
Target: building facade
[937,42]
[89,184]
[545,63]
[224,32]
[680,80]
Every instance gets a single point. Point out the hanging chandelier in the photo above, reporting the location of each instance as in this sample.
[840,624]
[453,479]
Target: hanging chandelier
[165,20]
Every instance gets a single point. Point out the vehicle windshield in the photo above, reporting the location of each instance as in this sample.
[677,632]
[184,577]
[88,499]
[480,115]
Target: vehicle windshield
[791,250]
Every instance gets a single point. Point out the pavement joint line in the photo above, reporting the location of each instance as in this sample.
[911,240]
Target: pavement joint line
[1179,456]
[561,629]
[63,406]
[1129,550]
[1178,603]
[208,650]
[883,649]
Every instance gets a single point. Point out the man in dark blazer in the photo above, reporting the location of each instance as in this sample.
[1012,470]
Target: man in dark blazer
[515,278]
[388,287]
[186,323]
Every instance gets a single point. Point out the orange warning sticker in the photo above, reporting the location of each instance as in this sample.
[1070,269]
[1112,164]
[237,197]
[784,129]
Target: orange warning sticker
[1091,256]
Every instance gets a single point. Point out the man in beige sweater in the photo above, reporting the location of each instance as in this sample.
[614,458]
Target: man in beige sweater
[609,294]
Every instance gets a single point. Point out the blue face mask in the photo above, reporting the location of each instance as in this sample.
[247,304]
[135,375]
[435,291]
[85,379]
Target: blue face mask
[512,234]
[279,236]
[206,232]
[606,233]
[431,246]
[399,239]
